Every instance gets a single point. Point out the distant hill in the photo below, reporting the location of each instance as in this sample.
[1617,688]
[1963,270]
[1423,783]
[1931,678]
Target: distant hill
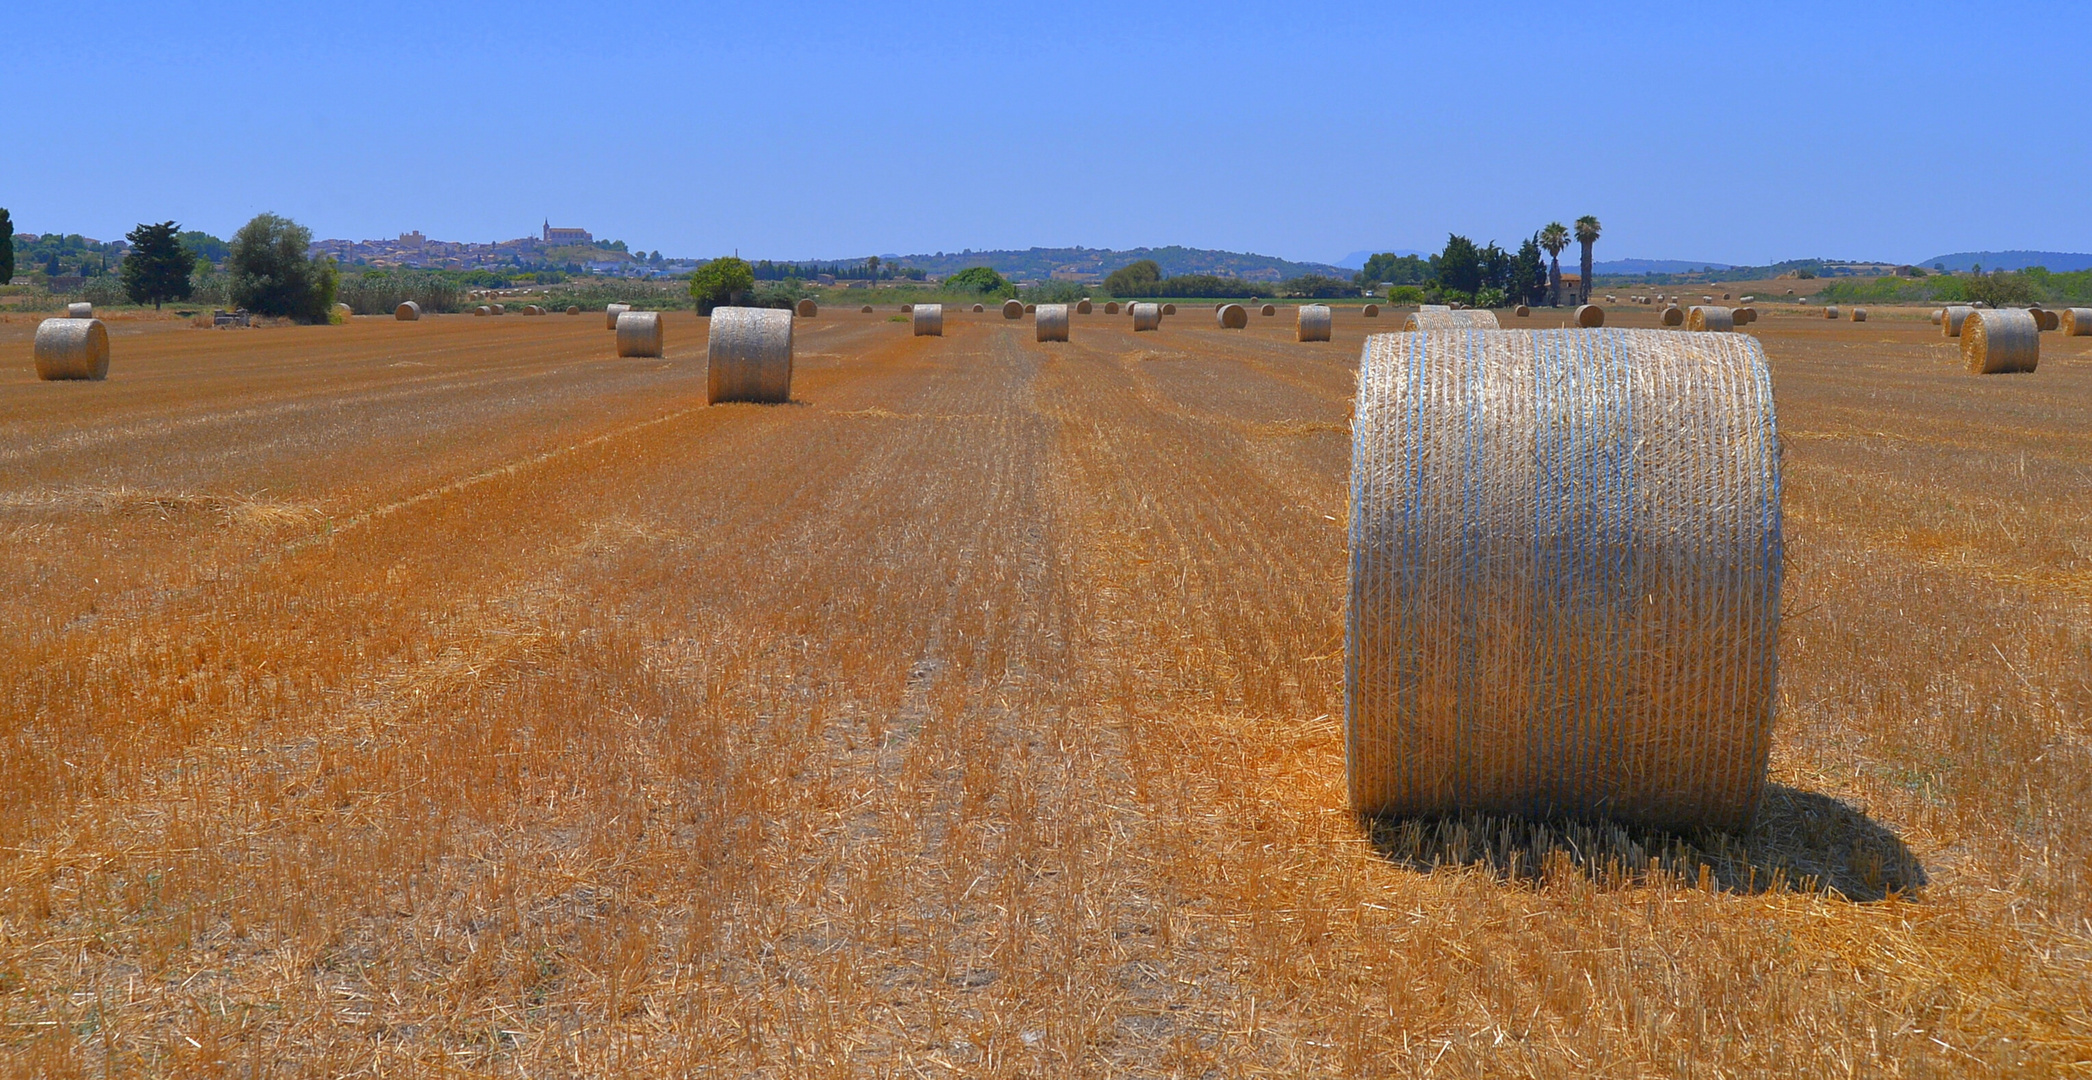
[2058,261]
[1037,264]
[1644,266]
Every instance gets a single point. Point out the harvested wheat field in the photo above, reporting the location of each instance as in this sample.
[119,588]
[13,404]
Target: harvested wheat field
[454,697]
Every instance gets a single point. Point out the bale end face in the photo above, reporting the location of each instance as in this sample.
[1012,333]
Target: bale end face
[2076,322]
[1673,316]
[1522,311]
[1590,316]
[749,355]
[1372,311]
[408,311]
[639,333]
[1998,341]
[1268,310]
[1012,309]
[1951,318]
[1710,319]
[1051,323]
[68,349]
[1231,317]
[1082,307]
[1111,307]
[573,309]
[806,309]
[1169,309]
[865,310]
[1312,323]
[1859,314]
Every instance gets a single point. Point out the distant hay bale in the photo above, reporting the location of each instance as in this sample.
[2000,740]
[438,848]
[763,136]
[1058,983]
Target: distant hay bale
[2076,322]
[1996,341]
[611,312]
[2049,320]
[408,311]
[79,309]
[1051,323]
[1522,311]
[1674,316]
[1725,296]
[1082,307]
[1012,309]
[1372,311]
[979,309]
[1111,307]
[573,309]
[1590,316]
[1937,313]
[749,355]
[1146,316]
[929,320]
[1169,309]
[72,349]
[1859,314]
[483,310]
[1746,299]
[1231,317]
[639,333]
[1707,299]
[1710,319]
[1434,307]
[1031,309]
[342,312]
[1746,315]
[806,308]
[906,308]
[1951,318]
[865,310]
[499,309]
[1268,310]
[1610,299]
[1451,320]
[1830,311]
[1312,323]
[1565,569]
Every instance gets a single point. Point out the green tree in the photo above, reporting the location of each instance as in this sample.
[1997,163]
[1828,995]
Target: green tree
[1391,269]
[1460,266]
[872,261]
[1586,234]
[7,246]
[1528,274]
[157,268]
[1553,239]
[723,282]
[977,279]
[271,274]
[1134,278]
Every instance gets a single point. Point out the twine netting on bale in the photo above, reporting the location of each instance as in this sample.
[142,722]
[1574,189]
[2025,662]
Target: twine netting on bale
[749,355]
[1051,323]
[639,333]
[72,349]
[1434,307]
[1231,317]
[1268,310]
[1439,319]
[1710,319]
[1590,316]
[1012,309]
[1565,576]
[1372,311]
[1951,318]
[611,312]
[929,320]
[1146,316]
[806,309]
[2076,322]
[408,311]
[1998,341]
[79,309]
[1312,322]
[1674,316]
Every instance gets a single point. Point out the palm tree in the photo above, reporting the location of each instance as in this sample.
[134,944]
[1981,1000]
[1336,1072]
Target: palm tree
[873,262]
[1554,238]
[1587,234]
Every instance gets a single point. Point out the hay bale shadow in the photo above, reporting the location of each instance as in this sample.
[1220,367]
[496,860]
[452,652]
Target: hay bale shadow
[1801,842]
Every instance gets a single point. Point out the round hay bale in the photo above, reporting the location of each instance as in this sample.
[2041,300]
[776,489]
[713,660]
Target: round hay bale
[2076,322]
[865,310]
[502,309]
[482,310]
[1937,313]
[639,333]
[1268,310]
[979,309]
[1746,315]
[1439,319]
[1031,309]
[1082,307]
[1859,314]
[906,308]
[1707,299]
[1673,316]
[1231,317]
[1710,319]
[806,308]
[1111,307]
[1169,309]
[1564,588]
[1052,323]
[1012,309]
[1312,323]
[749,355]
[1372,311]
[408,311]
[342,312]
[72,349]
[79,309]
[1590,316]
[929,320]
[2000,340]
[1979,304]
[1522,311]
[1951,318]
[611,312]
[573,309]
[1146,316]
[1830,311]
[2049,320]
[1725,296]
[1746,299]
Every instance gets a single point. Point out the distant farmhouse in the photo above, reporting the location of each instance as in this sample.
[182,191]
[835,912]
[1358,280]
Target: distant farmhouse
[562,237]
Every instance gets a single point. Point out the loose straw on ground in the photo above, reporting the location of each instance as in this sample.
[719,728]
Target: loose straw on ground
[1565,562]
[1997,341]
[1312,323]
[72,349]
[749,355]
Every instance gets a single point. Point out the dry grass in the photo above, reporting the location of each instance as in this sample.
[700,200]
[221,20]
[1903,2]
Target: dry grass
[973,714]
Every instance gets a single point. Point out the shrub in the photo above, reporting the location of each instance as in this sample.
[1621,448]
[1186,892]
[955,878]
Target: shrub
[978,279]
[1133,279]
[270,274]
[723,282]
[1405,294]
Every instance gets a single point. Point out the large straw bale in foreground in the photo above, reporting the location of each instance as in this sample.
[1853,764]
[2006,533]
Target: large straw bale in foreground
[1996,341]
[1951,318]
[611,312]
[1012,309]
[1146,316]
[1051,323]
[1565,576]
[1590,316]
[72,349]
[1710,319]
[2076,322]
[806,308]
[639,333]
[749,355]
[408,311]
[1231,317]
[1312,323]
[1441,319]
[928,320]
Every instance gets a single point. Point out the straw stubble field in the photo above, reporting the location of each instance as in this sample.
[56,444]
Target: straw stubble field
[441,697]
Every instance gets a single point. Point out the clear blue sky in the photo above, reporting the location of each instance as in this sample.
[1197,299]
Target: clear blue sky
[1730,132]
